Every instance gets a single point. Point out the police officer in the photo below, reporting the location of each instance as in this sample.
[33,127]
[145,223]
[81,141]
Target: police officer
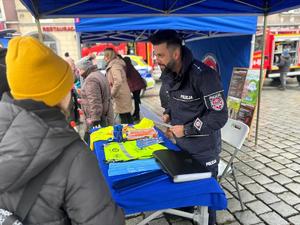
[196,105]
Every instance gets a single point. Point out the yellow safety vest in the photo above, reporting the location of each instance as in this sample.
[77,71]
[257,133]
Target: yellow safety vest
[124,151]
[105,133]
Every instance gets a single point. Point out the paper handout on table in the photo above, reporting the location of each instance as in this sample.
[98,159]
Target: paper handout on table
[134,166]
[181,166]
[153,116]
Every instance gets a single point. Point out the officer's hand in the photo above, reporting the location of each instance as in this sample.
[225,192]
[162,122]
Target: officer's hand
[169,133]
[178,130]
[166,118]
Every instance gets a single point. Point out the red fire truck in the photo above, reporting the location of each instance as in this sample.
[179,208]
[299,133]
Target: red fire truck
[97,48]
[276,41]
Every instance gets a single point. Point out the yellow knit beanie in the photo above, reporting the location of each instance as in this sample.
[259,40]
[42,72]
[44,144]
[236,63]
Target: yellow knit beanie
[35,72]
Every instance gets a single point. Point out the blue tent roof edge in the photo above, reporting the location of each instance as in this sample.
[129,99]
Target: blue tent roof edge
[108,29]
[112,8]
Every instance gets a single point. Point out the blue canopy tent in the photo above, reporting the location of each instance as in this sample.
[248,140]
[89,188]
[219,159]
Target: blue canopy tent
[190,28]
[132,8]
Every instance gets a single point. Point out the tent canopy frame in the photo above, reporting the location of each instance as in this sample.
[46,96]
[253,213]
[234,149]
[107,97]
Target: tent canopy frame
[263,7]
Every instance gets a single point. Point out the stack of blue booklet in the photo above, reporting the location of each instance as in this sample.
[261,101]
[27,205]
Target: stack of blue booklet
[135,174]
[138,181]
[134,166]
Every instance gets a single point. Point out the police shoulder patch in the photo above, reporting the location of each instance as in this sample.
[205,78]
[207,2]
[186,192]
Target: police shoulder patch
[198,124]
[215,101]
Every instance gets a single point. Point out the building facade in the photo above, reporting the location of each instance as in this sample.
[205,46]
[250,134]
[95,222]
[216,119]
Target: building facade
[8,15]
[58,34]
[285,20]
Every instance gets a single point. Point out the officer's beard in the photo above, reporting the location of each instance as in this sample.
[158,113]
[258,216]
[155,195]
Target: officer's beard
[170,67]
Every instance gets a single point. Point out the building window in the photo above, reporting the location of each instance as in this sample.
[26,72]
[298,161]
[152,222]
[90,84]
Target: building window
[2,13]
[48,40]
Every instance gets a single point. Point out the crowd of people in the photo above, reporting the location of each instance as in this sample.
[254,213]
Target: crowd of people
[104,95]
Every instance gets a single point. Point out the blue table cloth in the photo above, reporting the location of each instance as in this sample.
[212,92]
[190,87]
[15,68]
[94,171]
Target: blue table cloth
[162,193]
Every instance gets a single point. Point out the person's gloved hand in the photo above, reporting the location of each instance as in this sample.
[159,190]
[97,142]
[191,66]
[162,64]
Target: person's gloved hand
[96,124]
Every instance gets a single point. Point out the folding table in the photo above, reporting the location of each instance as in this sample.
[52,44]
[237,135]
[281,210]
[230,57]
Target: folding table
[162,195]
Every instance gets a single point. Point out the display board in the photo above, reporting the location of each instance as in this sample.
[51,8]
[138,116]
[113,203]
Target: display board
[243,94]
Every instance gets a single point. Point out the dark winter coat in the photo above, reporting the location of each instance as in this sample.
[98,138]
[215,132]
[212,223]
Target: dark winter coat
[196,100]
[134,79]
[96,100]
[32,135]
[284,64]
[164,96]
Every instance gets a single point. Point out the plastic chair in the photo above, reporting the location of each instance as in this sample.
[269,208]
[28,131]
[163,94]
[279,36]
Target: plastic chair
[233,133]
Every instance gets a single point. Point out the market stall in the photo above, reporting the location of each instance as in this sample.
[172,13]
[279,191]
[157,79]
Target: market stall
[137,8]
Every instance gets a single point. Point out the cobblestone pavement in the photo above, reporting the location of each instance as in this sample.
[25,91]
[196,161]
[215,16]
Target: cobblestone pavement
[269,173]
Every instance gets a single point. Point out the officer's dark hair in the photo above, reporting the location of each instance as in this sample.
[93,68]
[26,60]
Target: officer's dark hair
[170,37]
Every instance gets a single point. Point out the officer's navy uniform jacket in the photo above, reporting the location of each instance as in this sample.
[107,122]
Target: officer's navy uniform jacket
[195,99]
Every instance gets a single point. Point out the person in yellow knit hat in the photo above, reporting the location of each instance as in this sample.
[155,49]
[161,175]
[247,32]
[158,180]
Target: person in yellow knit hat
[35,134]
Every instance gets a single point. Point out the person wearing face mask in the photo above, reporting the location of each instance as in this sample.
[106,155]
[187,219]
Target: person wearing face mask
[96,100]
[35,134]
[284,67]
[195,104]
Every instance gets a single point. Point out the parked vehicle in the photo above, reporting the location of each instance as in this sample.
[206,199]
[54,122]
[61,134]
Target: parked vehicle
[101,64]
[276,41]
[156,72]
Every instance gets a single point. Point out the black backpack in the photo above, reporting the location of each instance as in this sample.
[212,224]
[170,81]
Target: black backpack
[31,192]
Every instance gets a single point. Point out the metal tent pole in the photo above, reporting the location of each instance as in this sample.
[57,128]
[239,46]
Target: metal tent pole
[252,50]
[79,55]
[78,34]
[261,77]
[38,24]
